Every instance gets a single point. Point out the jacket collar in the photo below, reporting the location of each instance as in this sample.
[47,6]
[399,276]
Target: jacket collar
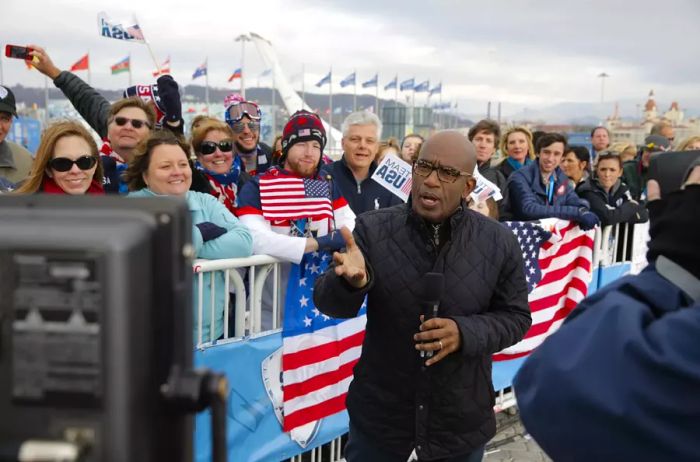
[6,158]
[346,167]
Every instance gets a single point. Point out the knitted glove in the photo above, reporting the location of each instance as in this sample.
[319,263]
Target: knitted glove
[588,220]
[210,231]
[332,241]
[170,98]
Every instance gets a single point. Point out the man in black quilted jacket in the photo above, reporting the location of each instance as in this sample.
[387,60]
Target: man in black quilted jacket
[439,406]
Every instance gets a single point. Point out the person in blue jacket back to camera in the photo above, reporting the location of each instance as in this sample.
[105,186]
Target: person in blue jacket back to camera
[161,168]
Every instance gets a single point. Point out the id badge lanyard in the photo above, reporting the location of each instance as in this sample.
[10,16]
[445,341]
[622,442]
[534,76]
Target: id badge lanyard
[550,190]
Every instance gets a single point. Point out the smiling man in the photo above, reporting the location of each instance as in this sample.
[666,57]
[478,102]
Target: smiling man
[352,174]
[542,190]
[424,385]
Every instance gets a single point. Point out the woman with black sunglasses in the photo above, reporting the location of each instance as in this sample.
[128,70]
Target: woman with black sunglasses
[66,162]
[212,143]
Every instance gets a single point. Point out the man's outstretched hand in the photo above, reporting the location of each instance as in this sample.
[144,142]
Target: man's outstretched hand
[351,263]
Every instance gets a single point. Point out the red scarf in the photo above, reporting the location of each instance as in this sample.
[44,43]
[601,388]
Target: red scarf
[106,150]
[49,186]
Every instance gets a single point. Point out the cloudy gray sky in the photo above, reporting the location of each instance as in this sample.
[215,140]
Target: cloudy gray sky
[524,53]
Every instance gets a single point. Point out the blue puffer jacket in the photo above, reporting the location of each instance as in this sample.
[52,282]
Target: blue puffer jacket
[528,196]
[237,242]
[619,380]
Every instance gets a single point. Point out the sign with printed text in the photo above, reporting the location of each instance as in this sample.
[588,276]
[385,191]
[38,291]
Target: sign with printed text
[395,175]
[484,188]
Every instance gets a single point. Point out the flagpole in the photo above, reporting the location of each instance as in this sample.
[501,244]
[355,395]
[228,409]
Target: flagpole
[376,97]
[330,107]
[148,46]
[129,68]
[46,101]
[2,75]
[274,90]
[396,91]
[302,82]
[89,73]
[206,83]
[354,97]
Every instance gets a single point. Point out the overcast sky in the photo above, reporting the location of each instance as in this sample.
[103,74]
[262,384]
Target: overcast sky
[532,53]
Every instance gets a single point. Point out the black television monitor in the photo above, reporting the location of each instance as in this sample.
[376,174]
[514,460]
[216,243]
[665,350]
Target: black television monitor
[95,312]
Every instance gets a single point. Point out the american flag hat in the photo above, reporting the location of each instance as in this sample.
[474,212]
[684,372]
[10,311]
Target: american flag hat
[302,126]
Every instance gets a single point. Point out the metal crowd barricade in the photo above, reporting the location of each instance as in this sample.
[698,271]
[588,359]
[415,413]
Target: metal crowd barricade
[247,309]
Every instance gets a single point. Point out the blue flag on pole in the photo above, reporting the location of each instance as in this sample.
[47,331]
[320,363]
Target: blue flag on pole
[407,84]
[422,87]
[392,84]
[325,80]
[373,82]
[349,80]
[437,89]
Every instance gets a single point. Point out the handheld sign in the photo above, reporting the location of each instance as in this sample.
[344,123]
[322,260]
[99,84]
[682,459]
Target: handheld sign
[484,188]
[395,175]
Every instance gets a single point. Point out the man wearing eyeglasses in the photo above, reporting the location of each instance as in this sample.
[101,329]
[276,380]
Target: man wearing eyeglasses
[542,190]
[15,160]
[422,386]
[244,119]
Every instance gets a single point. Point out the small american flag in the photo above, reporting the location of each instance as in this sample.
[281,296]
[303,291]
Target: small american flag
[406,188]
[318,352]
[292,198]
[135,31]
[558,270]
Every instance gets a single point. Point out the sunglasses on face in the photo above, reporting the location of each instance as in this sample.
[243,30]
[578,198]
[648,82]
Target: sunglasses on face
[63,164]
[445,174]
[238,127]
[209,147]
[136,123]
[237,111]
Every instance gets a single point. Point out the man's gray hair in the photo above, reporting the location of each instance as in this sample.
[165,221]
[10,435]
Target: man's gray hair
[362,118]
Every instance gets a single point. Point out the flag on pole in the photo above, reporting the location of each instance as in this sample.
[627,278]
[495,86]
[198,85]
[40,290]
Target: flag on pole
[422,87]
[392,84]
[558,268]
[236,75]
[318,352]
[200,71]
[266,72]
[437,89]
[407,84]
[349,80]
[164,68]
[83,64]
[110,29]
[373,82]
[325,80]
[122,66]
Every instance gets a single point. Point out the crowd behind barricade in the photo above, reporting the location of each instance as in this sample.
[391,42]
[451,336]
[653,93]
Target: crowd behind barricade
[289,200]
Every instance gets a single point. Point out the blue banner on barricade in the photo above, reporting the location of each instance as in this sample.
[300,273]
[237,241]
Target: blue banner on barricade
[254,431]
[613,272]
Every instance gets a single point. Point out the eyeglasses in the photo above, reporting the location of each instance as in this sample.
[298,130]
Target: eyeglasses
[63,164]
[236,111]
[444,174]
[136,123]
[209,147]
[238,127]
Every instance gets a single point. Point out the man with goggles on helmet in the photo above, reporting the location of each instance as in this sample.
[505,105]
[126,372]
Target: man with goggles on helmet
[244,119]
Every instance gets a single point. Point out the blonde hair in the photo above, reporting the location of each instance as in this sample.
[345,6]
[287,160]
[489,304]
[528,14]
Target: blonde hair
[44,153]
[206,126]
[528,134]
[683,145]
[627,151]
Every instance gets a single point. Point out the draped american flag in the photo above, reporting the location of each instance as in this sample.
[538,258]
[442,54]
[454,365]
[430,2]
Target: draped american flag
[558,264]
[291,198]
[318,352]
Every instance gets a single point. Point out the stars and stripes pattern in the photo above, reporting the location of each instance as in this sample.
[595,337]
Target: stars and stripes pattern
[288,197]
[558,267]
[406,188]
[318,352]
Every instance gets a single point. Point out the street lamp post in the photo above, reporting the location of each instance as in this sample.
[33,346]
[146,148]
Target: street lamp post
[602,77]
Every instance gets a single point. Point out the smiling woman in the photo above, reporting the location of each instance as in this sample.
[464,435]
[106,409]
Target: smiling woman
[67,162]
[160,167]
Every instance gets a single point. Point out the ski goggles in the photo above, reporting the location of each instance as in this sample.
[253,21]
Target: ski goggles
[209,147]
[237,110]
[63,164]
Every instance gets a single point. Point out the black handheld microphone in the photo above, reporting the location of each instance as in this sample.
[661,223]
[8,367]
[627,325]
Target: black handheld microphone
[433,286]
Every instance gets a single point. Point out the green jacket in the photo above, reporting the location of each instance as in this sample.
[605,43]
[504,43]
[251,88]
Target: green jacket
[15,162]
